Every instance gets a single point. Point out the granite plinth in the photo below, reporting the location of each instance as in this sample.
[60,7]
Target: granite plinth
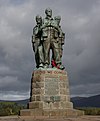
[50,94]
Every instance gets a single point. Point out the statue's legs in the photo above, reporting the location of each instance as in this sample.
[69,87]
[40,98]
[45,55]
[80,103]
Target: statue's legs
[41,56]
[60,49]
[61,52]
[55,51]
[37,58]
[36,44]
[51,44]
[57,54]
[46,47]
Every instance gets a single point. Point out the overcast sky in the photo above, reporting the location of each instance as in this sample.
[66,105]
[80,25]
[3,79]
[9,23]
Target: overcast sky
[81,57]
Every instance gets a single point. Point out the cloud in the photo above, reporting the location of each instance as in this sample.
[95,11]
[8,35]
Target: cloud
[13,95]
[81,24]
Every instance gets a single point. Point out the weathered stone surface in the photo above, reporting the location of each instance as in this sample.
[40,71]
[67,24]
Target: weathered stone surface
[35,104]
[38,98]
[63,92]
[63,98]
[63,85]
[37,85]
[37,91]
[52,113]
[25,112]
[33,98]
[65,105]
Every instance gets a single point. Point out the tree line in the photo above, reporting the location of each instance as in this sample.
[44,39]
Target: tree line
[10,108]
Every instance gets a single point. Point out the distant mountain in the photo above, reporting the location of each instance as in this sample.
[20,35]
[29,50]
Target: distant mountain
[77,98]
[22,102]
[93,101]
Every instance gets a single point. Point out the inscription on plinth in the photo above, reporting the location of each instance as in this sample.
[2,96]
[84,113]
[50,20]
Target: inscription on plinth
[51,86]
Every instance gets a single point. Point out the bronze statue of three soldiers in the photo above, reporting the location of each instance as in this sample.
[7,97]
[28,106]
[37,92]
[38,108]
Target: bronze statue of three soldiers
[48,35]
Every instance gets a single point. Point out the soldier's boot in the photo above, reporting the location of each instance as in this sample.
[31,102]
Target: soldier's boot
[46,66]
[41,65]
[59,66]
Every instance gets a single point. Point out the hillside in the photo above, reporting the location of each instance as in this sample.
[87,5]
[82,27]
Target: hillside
[93,101]
[22,102]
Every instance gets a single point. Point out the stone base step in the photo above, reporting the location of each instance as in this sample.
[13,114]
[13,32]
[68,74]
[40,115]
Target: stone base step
[51,113]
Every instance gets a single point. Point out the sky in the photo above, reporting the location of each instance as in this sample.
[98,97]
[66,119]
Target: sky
[80,20]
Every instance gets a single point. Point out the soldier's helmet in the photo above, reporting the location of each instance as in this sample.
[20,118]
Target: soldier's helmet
[57,17]
[38,19]
[48,12]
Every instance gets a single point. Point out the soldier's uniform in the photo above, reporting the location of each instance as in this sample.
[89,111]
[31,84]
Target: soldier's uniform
[37,46]
[50,41]
[60,38]
[61,43]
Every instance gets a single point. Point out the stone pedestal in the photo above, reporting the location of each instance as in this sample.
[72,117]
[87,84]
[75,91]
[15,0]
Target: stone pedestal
[50,95]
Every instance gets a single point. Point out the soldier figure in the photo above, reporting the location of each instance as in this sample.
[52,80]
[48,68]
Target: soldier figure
[50,41]
[61,38]
[36,42]
[48,35]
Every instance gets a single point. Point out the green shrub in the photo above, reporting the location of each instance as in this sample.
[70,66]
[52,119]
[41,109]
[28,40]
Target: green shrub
[90,111]
[10,108]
